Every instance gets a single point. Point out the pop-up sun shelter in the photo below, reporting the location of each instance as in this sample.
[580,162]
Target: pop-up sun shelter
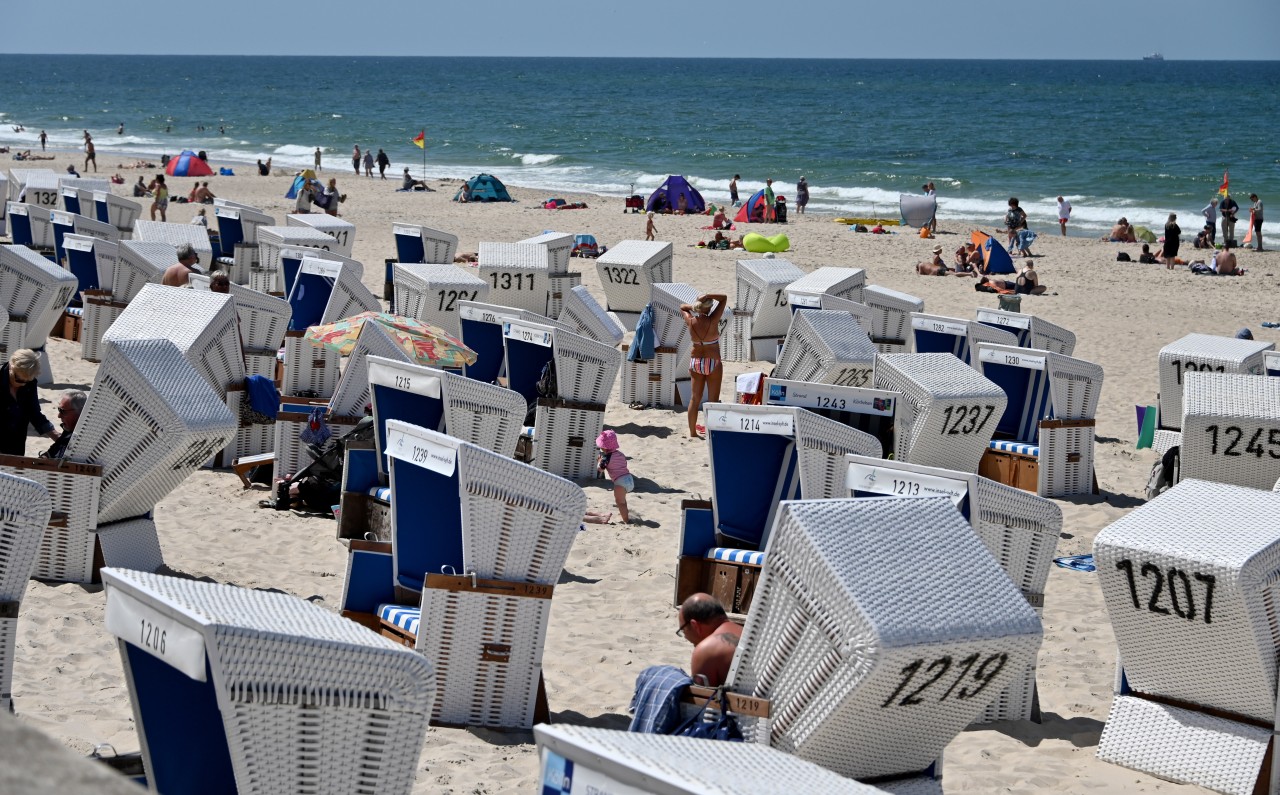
[485,188]
[667,197]
[993,254]
[753,209]
[188,164]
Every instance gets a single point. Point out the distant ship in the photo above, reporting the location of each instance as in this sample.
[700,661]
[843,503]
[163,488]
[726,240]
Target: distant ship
[1155,56]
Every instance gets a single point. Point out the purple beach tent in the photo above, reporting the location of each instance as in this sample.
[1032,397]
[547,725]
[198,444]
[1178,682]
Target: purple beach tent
[666,198]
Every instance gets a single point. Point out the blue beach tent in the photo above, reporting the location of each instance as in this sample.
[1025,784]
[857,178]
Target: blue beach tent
[666,198]
[485,188]
[302,179]
[997,259]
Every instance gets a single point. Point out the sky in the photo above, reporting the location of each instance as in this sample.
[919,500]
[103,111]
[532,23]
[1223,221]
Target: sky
[1040,29]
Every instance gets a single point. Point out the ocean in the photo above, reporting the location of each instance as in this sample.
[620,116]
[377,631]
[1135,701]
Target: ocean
[1135,138]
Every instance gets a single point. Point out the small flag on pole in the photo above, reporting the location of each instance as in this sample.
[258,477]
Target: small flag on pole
[421,140]
[1222,190]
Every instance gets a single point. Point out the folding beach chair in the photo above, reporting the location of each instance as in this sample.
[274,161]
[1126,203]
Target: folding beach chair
[559,247]
[628,272]
[431,293]
[270,275]
[760,455]
[1044,439]
[238,252]
[1231,429]
[827,347]
[137,264]
[1202,353]
[617,761]
[423,245]
[960,338]
[1189,580]
[25,510]
[761,312]
[873,649]
[1032,331]
[117,211]
[872,411]
[948,411]
[518,275]
[202,324]
[891,326]
[485,415]
[808,290]
[65,223]
[865,315]
[480,327]
[584,315]
[264,319]
[34,293]
[37,186]
[1020,530]
[237,690]
[342,231]
[506,529]
[324,291]
[175,235]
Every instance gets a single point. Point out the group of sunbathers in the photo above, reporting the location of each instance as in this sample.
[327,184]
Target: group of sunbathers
[966,261]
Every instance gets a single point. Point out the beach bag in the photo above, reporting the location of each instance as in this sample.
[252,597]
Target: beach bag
[723,727]
[1165,472]
[547,386]
[1123,256]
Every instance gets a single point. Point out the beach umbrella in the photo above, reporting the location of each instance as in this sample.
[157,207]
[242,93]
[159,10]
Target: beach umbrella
[188,164]
[423,342]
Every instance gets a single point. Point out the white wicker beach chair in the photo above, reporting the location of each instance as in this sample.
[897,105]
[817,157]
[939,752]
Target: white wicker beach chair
[202,324]
[25,508]
[38,186]
[518,275]
[658,381]
[92,260]
[1020,530]
[761,313]
[587,317]
[1203,353]
[325,291]
[891,327]
[175,235]
[628,272]
[247,691]
[960,338]
[1231,429]
[873,648]
[69,199]
[4,204]
[351,396]
[1032,331]
[270,275]
[808,290]
[1048,423]
[948,411]
[423,245]
[1189,580]
[431,293]
[559,247]
[480,327]
[117,211]
[34,293]
[827,347]
[151,420]
[65,223]
[137,264]
[264,319]
[343,232]
[76,193]
[1271,363]
[238,238]
[862,313]
[605,760]
[31,225]
[66,550]
[872,411]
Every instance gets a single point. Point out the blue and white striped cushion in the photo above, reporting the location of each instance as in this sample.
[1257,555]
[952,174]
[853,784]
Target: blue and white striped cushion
[225,260]
[381,492]
[1021,448]
[404,617]
[75,311]
[736,556]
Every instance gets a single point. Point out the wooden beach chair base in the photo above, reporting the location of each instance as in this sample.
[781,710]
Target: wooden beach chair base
[245,464]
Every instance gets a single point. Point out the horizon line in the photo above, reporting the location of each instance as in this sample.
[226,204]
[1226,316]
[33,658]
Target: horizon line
[629,57]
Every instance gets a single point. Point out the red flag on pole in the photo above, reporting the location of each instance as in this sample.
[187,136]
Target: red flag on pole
[1222,190]
[421,140]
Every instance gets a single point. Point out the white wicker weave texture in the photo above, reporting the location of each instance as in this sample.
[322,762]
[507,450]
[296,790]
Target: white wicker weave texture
[892,310]
[1202,353]
[862,313]
[586,316]
[518,275]
[66,553]
[24,512]
[176,235]
[352,393]
[140,262]
[559,247]
[846,283]
[873,647]
[431,293]
[150,421]
[684,766]
[566,440]
[292,681]
[1231,429]
[762,293]
[827,347]
[669,328]
[34,289]
[342,232]
[630,269]
[438,247]
[1190,580]
[263,318]
[586,370]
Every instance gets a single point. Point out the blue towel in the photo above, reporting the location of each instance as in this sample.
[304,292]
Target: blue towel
[641,349]
[264,399]
[655,707]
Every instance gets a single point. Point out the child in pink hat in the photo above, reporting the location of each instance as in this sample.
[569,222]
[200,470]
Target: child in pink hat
[613,461]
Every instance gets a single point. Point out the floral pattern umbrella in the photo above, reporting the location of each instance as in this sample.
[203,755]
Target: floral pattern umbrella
[423,342]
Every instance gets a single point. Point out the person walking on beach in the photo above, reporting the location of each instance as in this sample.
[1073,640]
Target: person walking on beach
[1064,215]
[705,371]
[1172,240]
[355,158]
[1210,213]
[802,195]
[649,229]
[159,198]
[368,164]
[733,190]
[768,201]
[1228,208]
[43,139]
[1255,219]
[1014,220]
[332,197]
[317,158]
[384,163]
[90,156]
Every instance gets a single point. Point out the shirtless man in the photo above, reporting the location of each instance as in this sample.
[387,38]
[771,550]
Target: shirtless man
[1224,263]
[176,275]
[714,637]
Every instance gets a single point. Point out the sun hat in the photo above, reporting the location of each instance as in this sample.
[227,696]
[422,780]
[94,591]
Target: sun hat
[607,440]
[937,249]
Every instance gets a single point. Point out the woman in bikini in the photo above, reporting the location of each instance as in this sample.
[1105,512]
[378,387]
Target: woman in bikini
[705,371]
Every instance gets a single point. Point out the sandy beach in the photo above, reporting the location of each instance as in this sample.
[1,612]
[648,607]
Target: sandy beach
[612,612]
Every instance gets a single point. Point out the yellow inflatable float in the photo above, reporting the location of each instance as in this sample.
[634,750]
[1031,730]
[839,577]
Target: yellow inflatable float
[759,244]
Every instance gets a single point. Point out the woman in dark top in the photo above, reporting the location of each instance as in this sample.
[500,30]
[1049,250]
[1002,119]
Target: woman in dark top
[1172,239]
[20,403]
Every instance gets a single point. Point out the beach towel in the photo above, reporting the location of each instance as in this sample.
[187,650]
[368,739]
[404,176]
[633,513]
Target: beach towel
[655,707]
[641,349]
[264,398]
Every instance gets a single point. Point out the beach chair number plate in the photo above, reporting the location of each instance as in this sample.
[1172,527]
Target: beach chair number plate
[421,452]
[1180,599]
[1226,441]
[743,422]
[1012,359]
[1180,366]
[620,275]
[506,280]
[852,376]
[900,483]
[450,297]
[156,633]
[1004,320]
[940,327]
[479,315]
[976,669]
[964,420]
[805,299]
[529,334]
